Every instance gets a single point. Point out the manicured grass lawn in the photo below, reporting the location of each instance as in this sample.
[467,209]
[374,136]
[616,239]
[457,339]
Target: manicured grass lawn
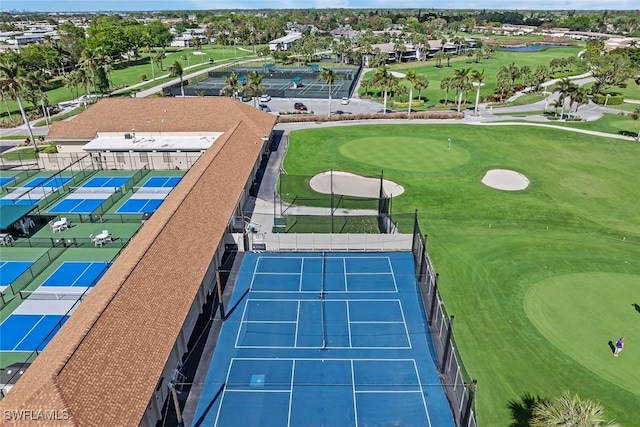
[610,123]
[539,280]
[20,154]
[490,67]
[526,100]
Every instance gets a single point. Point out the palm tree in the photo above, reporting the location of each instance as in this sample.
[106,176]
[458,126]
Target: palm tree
[462,82]
[569,411]
[412,77]
[565,89]
[422,82]
[579,97]
[477,77]
[232,85]
[541,75]
[512,71]
[254,85]
[175,70]
[366,83]
[328,76]
[12,83]
[446,84]
[160,56]
[38,80]
[386,81]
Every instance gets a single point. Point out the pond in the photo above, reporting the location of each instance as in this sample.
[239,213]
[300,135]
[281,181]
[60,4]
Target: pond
[531,48]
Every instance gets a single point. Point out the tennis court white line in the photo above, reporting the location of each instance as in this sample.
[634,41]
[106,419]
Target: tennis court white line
[244,313]
[353,388]
[315,347]
[349,325]
[293,372]
[404,320]
[424,400]
[279,322]
[248,390]
[378,322]
[24,337]
[295,340]
[82,274]
[224,391]
[301,275]
[330,292]
[393,274]
[269,273]
[390,391]
[344,274]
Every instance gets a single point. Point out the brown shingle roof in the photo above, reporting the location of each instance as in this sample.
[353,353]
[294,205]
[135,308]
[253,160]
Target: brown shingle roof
[104,364]
[160,115]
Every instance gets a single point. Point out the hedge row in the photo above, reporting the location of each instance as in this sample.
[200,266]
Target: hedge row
[614,98]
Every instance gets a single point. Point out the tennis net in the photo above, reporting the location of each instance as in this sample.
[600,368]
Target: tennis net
[94,190]
[152,190]
[39,294]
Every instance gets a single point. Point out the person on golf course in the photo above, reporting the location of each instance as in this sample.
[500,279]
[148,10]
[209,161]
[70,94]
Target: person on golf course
[619,346]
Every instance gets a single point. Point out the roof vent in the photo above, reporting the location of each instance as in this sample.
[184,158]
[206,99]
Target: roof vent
[127,135]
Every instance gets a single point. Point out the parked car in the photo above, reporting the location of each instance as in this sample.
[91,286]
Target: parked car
[245,98]
[264,107]
[265,97]
[344,101]
[299,106]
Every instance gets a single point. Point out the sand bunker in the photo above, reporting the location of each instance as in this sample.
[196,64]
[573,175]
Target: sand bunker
[503,179]
[349,184]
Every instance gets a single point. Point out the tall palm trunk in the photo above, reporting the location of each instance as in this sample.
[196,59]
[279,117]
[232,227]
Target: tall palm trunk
[460,100]
[385,102]
[477,99]
[329,100]
[181,87]
[410,99]
[26,122]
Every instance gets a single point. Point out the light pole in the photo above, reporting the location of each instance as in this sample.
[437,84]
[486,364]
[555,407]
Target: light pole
[607,99]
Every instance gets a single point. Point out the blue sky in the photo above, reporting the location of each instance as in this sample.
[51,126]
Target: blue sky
[105,5]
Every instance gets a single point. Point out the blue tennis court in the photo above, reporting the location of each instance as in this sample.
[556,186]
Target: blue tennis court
[77,273]
[33,191]
[149,197]
[162,181]
[335,339]
[6,180]
[11,270]
[29,332]
[90,196]
[43,181]
[107,181]
[79,206]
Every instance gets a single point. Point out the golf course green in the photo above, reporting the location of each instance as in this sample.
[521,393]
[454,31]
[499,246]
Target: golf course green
[540,280]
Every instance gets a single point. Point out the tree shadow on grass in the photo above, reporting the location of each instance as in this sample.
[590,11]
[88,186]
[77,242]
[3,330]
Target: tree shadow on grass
[612,347]
[636,306]
[522,412]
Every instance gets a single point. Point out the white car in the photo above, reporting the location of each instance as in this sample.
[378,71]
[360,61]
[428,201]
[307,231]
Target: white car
[265,97]
[344,101]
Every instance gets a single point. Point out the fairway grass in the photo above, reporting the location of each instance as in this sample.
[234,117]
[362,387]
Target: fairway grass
[540,279]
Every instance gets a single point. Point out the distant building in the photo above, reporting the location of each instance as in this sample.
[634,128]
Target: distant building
[284,43]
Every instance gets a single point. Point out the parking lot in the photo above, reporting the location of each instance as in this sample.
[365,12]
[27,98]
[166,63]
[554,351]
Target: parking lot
[321,106]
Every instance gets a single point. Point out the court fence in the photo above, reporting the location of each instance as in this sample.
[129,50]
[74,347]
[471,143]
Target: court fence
[459,387]
[302,209]
[47,295]
[280,82]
